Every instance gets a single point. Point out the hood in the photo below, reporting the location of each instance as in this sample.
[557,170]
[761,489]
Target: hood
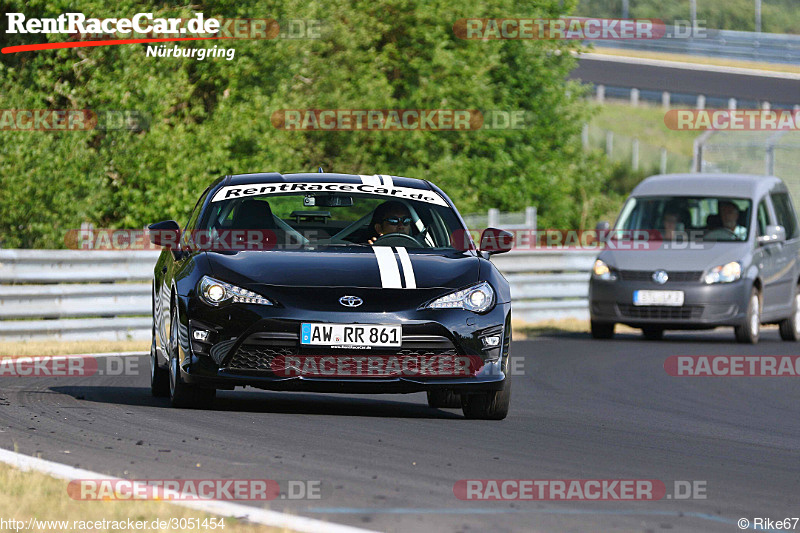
[695,258]
[372,267]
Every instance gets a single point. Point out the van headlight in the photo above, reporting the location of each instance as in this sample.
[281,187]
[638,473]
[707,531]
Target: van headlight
[215,292]
[478,298]
[602,271]
[724,273]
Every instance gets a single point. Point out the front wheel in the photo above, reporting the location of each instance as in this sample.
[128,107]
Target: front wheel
[602,330]
[488,405]
[790,327]
[182,394]
[749,330]
[653,333]
[159,377]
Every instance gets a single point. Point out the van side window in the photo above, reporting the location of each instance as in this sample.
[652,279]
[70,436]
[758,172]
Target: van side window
[785,213]
[763,218]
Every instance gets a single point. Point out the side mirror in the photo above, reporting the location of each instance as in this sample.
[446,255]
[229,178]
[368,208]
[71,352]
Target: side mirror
[496,241]
[601,230]
[773,234]
[166,234]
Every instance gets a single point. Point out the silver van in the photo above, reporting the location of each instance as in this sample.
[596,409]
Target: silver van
[697,251]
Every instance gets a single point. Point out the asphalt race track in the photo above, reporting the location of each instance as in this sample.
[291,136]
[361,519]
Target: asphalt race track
[583,409]
[606,71]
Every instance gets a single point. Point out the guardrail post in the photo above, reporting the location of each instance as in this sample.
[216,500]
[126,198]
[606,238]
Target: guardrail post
[732,104]
[530,217]
[701,102]
[663,165]
[635,154]
[758,16]
[634,97]
[601,93]
[665,99]
[585,136]
[493,217]
[765,106]
[609,143]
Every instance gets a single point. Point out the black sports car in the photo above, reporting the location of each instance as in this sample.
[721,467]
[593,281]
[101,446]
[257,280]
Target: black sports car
[330,283]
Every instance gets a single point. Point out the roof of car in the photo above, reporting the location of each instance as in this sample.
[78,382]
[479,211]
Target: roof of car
[325,177]
[724,185]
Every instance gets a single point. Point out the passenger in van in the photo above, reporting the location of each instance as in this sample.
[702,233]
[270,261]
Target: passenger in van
[725,225]
[730,219]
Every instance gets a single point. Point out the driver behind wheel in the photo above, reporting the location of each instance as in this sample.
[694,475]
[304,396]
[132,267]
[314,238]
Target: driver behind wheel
[390,217]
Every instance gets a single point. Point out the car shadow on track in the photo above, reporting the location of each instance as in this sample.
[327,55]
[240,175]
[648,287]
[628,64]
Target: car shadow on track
[267,402]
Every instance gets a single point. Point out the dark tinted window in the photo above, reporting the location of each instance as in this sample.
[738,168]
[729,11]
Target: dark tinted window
[785,213]
[763,218]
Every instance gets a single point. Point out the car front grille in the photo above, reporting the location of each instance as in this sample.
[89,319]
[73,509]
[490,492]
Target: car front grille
[255,357]
[685,312]
[646,275]
[432,351]
[260,349]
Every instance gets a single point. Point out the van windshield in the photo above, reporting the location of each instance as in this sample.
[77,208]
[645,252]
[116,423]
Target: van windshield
[690,218]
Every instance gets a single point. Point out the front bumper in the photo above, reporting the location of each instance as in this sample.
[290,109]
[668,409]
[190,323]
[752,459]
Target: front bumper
[245,340]
[705,306]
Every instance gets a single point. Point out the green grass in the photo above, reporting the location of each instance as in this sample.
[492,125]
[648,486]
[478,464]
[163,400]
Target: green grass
[646,123]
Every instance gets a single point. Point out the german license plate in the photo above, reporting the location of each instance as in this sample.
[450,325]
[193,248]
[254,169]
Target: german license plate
[667,298]
[350,335]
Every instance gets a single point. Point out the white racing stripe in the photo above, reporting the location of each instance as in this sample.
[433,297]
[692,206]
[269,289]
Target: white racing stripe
[387,264]
[408,270]
[217,507]
[370,180]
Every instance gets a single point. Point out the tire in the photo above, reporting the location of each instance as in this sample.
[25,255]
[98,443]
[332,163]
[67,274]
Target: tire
[602,330]
[159,377]
[749,330]
[445,399]
[790,327]
[182,394]
[653,333]
[488,405]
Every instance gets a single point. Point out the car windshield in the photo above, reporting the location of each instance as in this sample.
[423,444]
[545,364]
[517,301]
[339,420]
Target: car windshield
[319,219]
[691,218]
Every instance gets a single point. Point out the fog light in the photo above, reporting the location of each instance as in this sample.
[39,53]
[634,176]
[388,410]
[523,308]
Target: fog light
[200,335]
[492,341]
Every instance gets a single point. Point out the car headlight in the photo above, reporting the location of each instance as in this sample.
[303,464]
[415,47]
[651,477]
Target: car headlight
[215,292]
[724,273]
[478,298]
[602,271]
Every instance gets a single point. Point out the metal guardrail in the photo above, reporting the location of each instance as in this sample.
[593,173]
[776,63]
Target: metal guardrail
[728,44]
[70,295]
[73,294]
